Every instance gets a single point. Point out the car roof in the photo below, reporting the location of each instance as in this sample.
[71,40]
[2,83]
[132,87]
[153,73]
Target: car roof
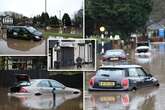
[120,66]
[142,47]
[19,26]
[115,50]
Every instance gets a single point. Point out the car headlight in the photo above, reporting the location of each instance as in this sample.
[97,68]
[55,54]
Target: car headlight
[37,37]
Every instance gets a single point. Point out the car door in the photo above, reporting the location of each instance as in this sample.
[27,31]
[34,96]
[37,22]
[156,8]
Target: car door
[134,76]
[24,33]
[147,80]
[44,87]
[15,32]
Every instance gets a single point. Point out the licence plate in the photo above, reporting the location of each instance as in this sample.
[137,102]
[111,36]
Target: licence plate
[108,99]
[107,84]
[114,59]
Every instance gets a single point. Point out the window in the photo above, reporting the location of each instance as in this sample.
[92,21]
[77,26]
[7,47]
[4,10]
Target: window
[16,29]
[133,72]
[136,72]
[44,83]
[56,84]
[141,72]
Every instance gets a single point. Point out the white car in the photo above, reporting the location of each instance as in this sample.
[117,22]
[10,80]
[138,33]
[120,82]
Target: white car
[27,87]
[143,51]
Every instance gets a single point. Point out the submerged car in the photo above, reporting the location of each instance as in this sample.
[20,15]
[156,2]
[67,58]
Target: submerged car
[143,51]
[114,55]
[121,77]
[25,86]
[24,32]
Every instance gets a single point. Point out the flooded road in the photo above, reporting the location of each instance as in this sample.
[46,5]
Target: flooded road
[23,47]
[43,102]
[143,99]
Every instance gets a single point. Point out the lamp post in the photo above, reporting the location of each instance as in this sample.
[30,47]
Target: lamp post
[45,6]
[102,29]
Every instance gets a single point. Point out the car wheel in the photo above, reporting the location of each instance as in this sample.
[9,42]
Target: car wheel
[157,84]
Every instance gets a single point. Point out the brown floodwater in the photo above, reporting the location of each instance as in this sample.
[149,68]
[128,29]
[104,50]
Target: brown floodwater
[24,47]
[43,102]
[143,99]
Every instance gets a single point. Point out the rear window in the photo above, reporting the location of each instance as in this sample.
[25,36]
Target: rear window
[23,83]
[142,50]
[111,72]
[115,53]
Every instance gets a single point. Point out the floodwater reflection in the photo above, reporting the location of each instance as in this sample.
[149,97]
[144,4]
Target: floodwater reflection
[42,102]
[18,46]
[48,101]
[121,100]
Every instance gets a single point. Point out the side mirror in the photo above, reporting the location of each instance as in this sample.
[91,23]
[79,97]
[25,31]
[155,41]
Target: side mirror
[127,54]
[150,75]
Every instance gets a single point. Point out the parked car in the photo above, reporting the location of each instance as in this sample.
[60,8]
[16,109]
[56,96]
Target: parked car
[25,86]
[24,32]
[114,55]
[144,51]
[121,77]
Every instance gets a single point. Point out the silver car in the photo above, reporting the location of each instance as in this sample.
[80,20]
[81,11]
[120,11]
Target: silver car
[24,86]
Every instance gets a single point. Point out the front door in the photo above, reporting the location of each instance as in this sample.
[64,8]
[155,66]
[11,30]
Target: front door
[67,56]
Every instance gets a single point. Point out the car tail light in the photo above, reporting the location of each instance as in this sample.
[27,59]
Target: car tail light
[91,82]
[23,90]
[125,83]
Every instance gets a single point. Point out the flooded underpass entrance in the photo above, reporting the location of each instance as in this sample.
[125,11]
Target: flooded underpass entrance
[149,98]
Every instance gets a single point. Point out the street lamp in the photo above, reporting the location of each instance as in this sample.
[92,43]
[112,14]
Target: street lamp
[45,6]
[102,29]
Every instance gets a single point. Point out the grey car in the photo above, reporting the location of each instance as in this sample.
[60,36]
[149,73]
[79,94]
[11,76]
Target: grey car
[121,77]
[114,55]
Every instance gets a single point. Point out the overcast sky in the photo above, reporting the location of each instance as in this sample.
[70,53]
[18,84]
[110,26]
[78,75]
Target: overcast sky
[34,7]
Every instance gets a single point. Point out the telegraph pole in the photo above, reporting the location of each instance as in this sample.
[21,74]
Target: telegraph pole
[45,6]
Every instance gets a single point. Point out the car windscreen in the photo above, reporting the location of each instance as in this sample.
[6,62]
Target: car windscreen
[111,72]
[31,29]
[115,53]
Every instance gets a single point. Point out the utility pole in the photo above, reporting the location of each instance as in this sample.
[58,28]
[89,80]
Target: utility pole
[45,6]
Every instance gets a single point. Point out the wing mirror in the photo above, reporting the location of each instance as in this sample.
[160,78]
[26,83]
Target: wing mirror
[150,75]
